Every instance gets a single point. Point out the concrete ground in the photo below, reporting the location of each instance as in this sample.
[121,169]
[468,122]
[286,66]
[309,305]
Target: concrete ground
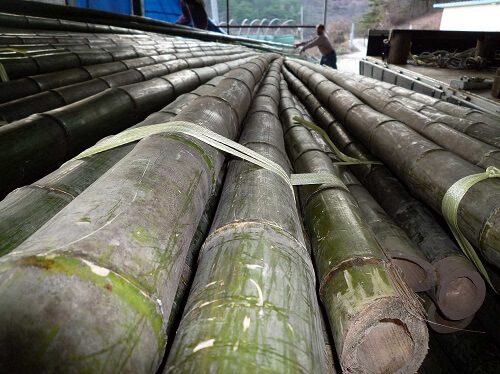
[350,62]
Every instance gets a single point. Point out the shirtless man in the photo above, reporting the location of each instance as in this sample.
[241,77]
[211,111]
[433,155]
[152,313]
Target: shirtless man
[324,45]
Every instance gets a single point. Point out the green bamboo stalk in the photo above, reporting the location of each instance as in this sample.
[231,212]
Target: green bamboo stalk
[470,149]
[26,209]
[19,88]
[426,169]
[122,244]
[460,289]
[62,96]
[32,147]
[253,303]
[374,319]
[418,273]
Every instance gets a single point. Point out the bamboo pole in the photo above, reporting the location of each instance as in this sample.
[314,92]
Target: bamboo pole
[440,323]
[418,273]
[426,169]
[22,159]
[28,208]
[485,132]
[460,289]
[59,97]
[253,303]
[19,88]
[122,244]
[373,316]
[470,149]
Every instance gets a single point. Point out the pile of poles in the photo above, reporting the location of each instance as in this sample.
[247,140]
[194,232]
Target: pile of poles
[167,254]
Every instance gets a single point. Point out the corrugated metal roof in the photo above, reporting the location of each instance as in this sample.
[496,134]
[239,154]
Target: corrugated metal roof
[466,3]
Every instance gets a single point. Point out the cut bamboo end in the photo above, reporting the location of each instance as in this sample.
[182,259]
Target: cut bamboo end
[443,325]
[385,339]
[460,289]
[417,273]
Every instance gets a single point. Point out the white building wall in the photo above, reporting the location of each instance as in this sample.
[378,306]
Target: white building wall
[472,18]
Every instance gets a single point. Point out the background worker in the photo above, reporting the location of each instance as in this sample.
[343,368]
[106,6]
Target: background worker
[324,45]
[193,11]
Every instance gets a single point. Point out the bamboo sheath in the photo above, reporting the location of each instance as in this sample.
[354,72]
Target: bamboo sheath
[122,243]
[485,132]
[58,97]
[374,317]
[63,133]
[254,288]
[470,149]
[460,289]
[427,169]
[19,88]
[28,208]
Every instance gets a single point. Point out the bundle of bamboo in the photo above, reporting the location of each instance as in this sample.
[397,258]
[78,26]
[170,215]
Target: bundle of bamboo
[27,208]
[428,170]
[123,249]
[255,285]
[460,289]
[374,318]
[38,144]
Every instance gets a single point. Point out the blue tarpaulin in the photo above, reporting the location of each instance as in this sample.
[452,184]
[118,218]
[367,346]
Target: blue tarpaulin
[165,10]
[117,6]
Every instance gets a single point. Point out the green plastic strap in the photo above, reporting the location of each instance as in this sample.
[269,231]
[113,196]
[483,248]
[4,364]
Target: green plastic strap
[449,207]
[346,160]
[3,74]
[215,140]
[21,51]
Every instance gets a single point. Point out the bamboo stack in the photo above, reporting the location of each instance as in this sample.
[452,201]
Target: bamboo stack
[374,318]
[124,250]
[63,133]
[28,208]
[427,169]
[254,288]
[460,289]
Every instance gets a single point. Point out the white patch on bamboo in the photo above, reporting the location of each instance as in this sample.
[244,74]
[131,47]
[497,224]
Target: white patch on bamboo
[207,303]
[102,272]
[211,283]
[253,267]
[203,345]
[246,323]
[261,297]
[235,347]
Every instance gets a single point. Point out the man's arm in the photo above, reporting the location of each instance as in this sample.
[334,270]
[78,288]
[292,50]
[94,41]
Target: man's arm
[306,43]
[312,43]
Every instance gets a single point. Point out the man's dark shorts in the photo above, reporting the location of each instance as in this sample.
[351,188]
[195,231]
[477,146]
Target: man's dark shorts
[330,60]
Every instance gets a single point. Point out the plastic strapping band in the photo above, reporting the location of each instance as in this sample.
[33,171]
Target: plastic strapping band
[215,140]
[449,207]
[346,160]
[20,51]
[3,74]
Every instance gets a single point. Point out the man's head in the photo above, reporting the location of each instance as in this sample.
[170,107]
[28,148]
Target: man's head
[320,28]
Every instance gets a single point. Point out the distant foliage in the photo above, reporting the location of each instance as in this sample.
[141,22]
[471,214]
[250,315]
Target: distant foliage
[386,14]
